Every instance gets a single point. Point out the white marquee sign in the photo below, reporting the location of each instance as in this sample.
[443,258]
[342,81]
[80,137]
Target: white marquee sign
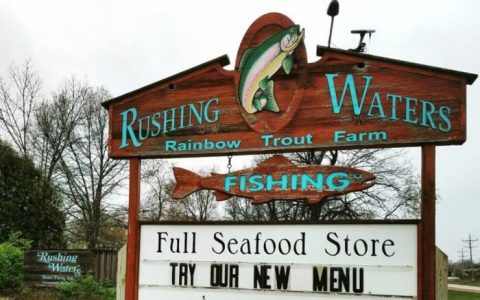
[225,261]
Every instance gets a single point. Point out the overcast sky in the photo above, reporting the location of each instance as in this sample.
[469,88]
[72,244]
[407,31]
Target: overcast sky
[124,45]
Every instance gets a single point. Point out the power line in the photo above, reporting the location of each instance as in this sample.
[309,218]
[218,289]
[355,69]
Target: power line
[462,255]
[470,246]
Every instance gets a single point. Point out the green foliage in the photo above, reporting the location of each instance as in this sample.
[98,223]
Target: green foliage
[36,293]
[11,267]
[86,288]
[454,295]
[28,202]
[16,239]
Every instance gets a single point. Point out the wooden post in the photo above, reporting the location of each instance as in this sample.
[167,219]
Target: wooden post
[428,221]
[131,278]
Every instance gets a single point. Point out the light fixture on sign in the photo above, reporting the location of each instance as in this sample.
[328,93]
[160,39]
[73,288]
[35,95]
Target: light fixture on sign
[332,11]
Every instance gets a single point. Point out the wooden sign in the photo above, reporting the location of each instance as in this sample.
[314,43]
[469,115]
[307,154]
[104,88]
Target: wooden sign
[51,267]
[275,101]
[276,178]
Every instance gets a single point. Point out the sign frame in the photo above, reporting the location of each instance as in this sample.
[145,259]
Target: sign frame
[236,224]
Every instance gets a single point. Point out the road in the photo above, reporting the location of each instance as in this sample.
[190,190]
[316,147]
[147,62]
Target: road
[464,288]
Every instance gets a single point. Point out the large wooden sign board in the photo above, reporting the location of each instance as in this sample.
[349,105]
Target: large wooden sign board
[275,101]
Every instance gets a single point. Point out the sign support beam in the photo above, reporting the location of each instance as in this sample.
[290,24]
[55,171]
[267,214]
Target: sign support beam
[133,242]
[428,221]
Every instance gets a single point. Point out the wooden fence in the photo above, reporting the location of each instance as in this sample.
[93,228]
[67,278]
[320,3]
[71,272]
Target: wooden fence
[105,267]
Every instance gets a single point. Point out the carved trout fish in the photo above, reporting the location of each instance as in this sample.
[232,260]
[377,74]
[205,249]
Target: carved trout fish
[258,65]
[276,178]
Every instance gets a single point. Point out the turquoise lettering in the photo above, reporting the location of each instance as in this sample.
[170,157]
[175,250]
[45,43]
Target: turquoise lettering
[342,135]
[243,183]
[376,103]
[156,124]
[337,181]
[377,136]
[266,139]
[255,184]
[170,145]
[235,144]
[428,109]
[349,85]
[338,135]
[307,180]
[444,112]
[229,182]
[294,182]
[173,145]
[182,117]
[352,137]
[195,112]
[127,129]
[166,120]
[270,141]
[140,128]
[394,99]
[220,145]
[283,182]
[215,112]
[409,110]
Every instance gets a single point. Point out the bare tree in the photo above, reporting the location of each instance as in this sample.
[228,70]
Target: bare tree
[19,92]
[200,206]
[88,176]
[55,123]
[241,209]
[157,203]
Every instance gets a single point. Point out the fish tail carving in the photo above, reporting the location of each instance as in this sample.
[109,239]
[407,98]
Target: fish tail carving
[187,183]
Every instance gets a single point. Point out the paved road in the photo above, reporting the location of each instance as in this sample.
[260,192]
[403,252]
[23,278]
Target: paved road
[464,288]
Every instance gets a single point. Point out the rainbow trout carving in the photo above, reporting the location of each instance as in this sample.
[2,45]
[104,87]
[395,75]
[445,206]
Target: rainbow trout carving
[258,65]
[277,178]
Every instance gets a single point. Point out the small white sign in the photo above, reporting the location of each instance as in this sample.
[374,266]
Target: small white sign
[226,261]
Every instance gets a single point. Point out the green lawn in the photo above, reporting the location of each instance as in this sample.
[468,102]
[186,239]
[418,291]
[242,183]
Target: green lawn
[464,282]
[453,295]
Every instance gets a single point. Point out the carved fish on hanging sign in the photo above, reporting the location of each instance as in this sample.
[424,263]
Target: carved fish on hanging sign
[276,178]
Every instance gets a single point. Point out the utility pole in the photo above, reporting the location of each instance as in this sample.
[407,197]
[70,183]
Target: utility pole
[462,256]
[470,247]
[462,259]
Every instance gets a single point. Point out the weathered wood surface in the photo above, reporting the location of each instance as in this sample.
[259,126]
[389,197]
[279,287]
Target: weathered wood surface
[121,269]
[403,104]
[105,268]
[133,239]
[441,282]
[428,221]
[276,178]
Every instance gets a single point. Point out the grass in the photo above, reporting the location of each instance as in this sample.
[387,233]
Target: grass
[453,295]
[31,293]
[464,282]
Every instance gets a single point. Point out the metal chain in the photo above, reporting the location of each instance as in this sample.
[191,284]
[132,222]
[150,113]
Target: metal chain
[229,164]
